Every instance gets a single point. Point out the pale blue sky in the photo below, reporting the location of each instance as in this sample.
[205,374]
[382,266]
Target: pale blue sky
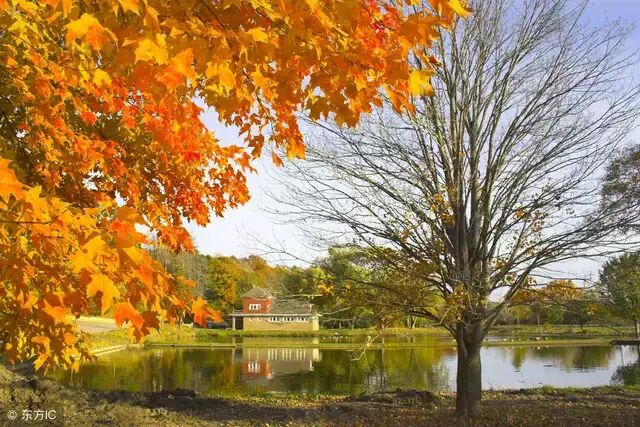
[244,230]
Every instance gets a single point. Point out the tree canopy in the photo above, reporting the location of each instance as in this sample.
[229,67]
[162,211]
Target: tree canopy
[100,136]
[620,283]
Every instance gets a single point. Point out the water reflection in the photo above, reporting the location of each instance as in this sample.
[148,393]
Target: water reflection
[269,362]
[628,374]
[309,369]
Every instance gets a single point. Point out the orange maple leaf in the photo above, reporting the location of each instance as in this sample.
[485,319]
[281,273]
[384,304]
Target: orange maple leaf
[201,312]
[125,312]
[9,184]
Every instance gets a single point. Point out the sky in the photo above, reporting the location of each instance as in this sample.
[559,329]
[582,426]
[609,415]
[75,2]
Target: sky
[250,230]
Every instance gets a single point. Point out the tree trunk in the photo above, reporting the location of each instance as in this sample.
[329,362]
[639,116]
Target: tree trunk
[469,378]
[637,324]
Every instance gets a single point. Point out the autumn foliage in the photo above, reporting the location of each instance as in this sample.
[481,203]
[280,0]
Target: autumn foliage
[101,141]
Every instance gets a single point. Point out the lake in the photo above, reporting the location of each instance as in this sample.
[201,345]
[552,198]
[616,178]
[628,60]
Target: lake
[315,370]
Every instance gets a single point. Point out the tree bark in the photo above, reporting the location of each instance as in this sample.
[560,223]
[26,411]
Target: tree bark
[637,324]
[469,378]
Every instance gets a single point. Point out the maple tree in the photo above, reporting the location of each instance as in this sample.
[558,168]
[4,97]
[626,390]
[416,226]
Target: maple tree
[101,137]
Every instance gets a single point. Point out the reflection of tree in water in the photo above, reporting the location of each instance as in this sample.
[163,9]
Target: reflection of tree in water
[580,358]
[335,372]
[418,368]
[519,356]
[153,370]
[422,369]
[628,374]
[592,357]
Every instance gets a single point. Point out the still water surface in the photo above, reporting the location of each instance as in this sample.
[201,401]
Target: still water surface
[313,370]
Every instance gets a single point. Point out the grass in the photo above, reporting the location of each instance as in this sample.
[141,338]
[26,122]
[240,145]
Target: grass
[549,390]
[564,330]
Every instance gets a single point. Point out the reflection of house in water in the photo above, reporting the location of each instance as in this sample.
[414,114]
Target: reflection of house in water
[269,362]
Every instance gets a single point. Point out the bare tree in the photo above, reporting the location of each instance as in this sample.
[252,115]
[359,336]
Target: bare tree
[493,178]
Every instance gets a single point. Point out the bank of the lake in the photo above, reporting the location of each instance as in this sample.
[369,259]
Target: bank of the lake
[106,338]
[526,335]
[611,406]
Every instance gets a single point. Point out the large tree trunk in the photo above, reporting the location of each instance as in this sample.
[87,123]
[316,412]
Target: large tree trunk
[469,375]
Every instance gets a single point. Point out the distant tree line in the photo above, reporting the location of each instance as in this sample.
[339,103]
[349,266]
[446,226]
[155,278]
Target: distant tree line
[352,288]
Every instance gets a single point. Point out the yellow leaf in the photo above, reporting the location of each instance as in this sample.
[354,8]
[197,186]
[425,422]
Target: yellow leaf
[182,63]
[148,50]
[419,83]
[227,78]
[80,261]
[42,357]
[258,35]
[101,283]
[33,194]
[29,7]
[94,247]
[89,27]
[101,78]
[313,4]
[135,254]
[259,80]
[459,8]
[129,5]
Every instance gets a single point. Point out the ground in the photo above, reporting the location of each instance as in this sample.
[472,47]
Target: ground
[566,407]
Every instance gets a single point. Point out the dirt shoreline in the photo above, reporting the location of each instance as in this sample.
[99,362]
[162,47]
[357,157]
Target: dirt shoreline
[600,406]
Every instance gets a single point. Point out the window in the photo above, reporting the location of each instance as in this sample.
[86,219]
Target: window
[254,306]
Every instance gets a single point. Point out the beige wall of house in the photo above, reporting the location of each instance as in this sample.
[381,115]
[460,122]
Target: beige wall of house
[263,324]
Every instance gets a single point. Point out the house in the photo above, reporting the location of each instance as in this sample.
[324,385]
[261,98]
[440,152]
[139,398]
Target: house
[261,311]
